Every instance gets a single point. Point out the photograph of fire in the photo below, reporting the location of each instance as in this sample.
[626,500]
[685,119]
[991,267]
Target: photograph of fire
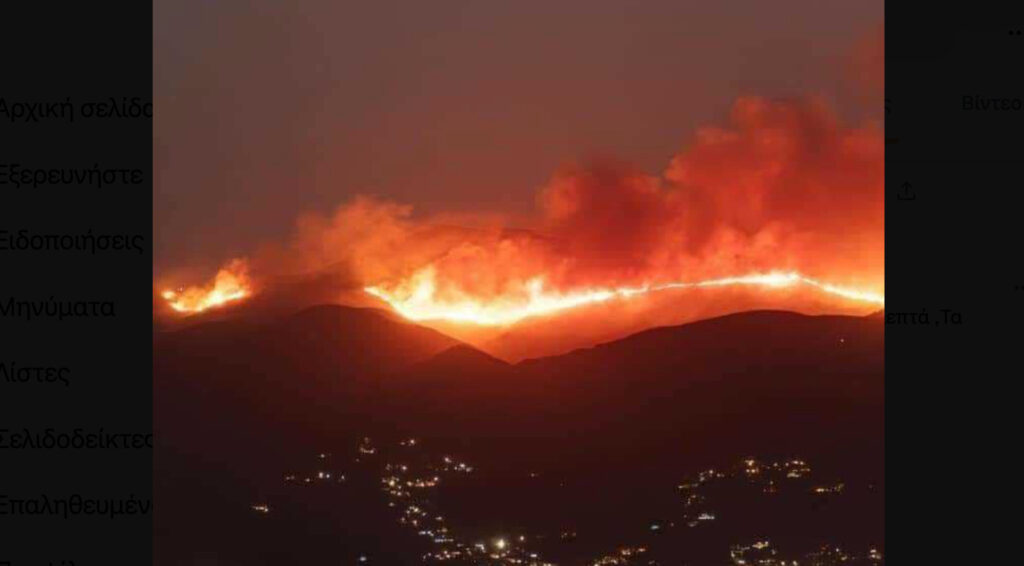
[519,283]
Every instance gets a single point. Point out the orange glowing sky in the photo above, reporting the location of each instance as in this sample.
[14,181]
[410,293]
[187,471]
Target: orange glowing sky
[783,195]
[267,112]
[750,159]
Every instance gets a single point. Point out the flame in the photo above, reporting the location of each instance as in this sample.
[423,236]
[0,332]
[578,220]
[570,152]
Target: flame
[231,283]
[417,299]
[783,196]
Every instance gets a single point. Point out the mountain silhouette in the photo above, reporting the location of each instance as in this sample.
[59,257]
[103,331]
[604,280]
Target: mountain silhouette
[760,376]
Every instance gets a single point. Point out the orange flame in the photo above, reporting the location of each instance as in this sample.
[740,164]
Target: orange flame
[783,196]
[231,283]
[417,298]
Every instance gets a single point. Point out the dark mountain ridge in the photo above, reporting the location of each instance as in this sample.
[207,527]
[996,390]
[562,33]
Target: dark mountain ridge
[332,368]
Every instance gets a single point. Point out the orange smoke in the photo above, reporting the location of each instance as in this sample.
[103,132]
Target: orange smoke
[231,283]
[782,196]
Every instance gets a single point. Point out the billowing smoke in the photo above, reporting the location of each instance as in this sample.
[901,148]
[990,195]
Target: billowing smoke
[782,185]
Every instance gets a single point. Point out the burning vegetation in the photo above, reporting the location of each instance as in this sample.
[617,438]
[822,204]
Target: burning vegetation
[231,284]
[783,197]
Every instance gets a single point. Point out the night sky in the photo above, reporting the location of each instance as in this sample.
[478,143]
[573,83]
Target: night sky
[265,110]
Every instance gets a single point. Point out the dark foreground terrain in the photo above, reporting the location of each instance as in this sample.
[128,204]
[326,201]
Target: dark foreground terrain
[345,436]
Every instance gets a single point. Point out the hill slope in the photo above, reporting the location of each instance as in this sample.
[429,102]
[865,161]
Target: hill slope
[327,365]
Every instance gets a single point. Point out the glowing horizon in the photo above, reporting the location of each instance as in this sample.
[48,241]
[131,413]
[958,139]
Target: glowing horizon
[420,304]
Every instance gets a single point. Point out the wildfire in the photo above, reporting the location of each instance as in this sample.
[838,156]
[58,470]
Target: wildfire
[783,184]
[230,284]
[417,299]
